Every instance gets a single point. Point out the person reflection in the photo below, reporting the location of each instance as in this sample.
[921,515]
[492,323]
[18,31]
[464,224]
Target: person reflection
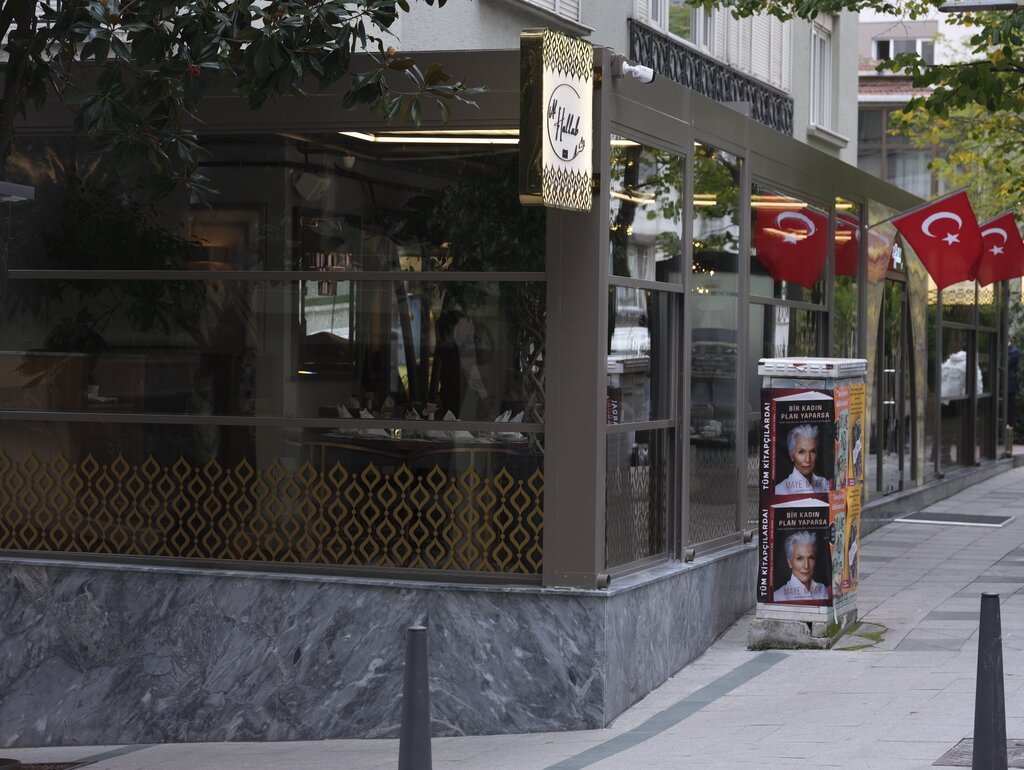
[802,444]
[801,556]
[461,387]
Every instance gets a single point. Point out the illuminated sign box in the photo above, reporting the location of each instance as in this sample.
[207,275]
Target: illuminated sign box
[556,120]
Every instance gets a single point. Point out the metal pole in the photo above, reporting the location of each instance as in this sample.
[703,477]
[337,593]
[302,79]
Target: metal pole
[414,736]
[989,704]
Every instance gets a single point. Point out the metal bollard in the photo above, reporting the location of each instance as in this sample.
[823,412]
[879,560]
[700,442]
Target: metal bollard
[989,703]
[414,736]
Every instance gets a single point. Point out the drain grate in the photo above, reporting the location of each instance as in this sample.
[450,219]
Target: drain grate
[957,519]
[962,754]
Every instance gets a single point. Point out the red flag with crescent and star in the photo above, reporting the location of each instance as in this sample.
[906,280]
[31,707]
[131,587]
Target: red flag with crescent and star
[1002,256]
[946,237]
[791,244]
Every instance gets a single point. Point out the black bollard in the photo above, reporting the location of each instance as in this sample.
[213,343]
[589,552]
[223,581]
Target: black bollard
[414,738]
[989,704]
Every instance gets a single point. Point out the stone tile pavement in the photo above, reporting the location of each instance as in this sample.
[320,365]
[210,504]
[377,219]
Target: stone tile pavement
[902,702]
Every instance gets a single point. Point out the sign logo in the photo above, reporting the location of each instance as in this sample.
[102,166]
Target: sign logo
[564,115]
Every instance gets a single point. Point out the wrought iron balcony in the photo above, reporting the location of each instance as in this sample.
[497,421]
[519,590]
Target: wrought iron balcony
[709,77]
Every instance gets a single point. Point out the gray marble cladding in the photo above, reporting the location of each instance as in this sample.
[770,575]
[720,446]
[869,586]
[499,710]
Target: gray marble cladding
[118,654]
[658,627]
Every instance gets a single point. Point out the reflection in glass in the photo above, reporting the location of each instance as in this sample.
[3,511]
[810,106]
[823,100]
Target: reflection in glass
[282,203]
[638,466]
[394,349]
[790,246]
[638,356]
[646,212]
[714,309]
[847,256]
[890,422]
[959,378]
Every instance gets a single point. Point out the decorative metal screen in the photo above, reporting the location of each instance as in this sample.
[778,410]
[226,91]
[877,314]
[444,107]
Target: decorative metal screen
[636,504]
[713,492]
[709,77]
[426,518]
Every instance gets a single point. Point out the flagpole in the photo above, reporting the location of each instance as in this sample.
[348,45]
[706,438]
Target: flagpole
[918,208]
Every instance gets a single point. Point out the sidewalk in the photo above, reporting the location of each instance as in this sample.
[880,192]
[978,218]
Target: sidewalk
[902,702]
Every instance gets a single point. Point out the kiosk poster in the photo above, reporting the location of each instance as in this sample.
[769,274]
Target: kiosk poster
[858,396]
[851,563]
[837,502]
[797,452]
[842,469]
[799,562]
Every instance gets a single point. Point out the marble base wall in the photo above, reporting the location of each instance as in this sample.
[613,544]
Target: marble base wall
[110,654]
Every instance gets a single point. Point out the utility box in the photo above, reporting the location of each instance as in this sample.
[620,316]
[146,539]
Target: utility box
[811,475]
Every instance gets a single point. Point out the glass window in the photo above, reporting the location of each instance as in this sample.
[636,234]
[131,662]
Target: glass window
[908,169]
[691,23]
[790,246]
[231,347]
[646,212]
[639,471]
[319,202]
[639,356]
[821,77]
[714,311]
[869,126]
[847,256]
[276,415]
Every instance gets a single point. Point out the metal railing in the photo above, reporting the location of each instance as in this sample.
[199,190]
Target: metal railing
[709,77]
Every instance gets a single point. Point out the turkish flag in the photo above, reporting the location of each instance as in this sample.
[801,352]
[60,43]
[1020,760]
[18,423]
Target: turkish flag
[946,237]
[847,244]
[791,244]
[1002,255]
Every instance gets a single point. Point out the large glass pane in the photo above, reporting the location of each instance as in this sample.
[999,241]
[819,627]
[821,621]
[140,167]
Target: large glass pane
[331,202]
[291,494]
[639,356]
[847,259]
[638,474]
[893,436]
[345,349]
[882,252]
[646,212]
[790,246]
[714,313]
[957,382]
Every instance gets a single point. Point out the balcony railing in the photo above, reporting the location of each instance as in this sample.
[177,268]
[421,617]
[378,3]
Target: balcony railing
[709,77]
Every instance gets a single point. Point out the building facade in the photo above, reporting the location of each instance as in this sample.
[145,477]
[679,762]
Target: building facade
[245,445]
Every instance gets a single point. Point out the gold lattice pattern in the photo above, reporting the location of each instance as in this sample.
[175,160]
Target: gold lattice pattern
[426,519]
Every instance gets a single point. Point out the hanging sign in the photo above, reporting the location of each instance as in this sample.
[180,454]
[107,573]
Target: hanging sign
[556,94]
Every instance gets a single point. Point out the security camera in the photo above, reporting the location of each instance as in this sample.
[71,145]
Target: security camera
[622,67]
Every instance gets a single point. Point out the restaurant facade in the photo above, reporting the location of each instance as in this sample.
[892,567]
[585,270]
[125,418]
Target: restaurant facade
[245,442]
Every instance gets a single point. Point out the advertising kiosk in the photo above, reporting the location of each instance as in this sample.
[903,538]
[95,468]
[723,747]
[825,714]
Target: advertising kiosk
[810,477]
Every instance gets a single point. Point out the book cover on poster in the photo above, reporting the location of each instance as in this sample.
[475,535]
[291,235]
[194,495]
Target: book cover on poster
[798,442]
[797,555]
[851,563]
[858,397]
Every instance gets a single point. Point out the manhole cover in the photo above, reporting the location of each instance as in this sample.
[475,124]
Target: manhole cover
[960,519]
[962,754]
